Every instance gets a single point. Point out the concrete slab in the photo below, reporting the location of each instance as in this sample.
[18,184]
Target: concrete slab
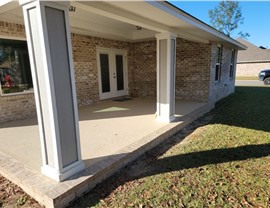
[112,134]
[105,128]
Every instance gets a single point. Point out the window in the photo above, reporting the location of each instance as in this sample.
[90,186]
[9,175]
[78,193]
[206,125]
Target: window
[15,73]
[232,64]
[218,64]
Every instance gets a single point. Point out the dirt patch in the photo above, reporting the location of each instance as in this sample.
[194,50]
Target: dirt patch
[13,196]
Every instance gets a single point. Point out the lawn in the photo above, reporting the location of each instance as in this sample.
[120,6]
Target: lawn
[247,78]
[221,160]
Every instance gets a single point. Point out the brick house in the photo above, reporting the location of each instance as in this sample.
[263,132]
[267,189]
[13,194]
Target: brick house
[93,51]
[252,60]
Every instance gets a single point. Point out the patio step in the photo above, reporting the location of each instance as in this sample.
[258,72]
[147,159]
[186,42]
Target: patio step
[54,194]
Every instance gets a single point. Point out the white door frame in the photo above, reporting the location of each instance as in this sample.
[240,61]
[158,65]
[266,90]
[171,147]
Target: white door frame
[112,69]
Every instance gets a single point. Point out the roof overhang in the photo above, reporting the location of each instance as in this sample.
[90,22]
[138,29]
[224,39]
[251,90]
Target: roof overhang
[197,26]
[119,19]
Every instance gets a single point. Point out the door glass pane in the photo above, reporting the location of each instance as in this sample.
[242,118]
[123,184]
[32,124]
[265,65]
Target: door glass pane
[119,72]
[105,72]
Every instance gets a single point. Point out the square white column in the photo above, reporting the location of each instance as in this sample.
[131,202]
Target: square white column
[166,63]
[49,46]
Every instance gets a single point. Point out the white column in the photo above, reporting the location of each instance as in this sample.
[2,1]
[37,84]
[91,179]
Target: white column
[166,61]
[49,46]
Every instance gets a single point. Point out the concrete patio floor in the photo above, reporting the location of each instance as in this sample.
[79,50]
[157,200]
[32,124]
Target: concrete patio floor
[109,131]
[104,129]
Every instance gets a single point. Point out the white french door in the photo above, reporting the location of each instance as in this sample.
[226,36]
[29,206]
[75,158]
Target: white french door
[112,67]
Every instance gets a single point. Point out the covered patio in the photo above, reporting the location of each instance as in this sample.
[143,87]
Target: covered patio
[67,48]
[84,52]
[112,134]
[105,128]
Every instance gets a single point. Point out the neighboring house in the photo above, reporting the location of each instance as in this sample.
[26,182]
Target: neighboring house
[251,61]
[109,49]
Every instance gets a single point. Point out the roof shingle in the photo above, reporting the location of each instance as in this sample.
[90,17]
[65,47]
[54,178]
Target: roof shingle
[253,53]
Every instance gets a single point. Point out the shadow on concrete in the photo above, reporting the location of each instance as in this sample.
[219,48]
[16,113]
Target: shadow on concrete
[20,123]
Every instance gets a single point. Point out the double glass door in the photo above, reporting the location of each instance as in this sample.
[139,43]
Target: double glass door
[112,73]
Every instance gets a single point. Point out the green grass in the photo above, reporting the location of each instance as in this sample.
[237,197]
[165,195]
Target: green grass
[223,161]
[247,78]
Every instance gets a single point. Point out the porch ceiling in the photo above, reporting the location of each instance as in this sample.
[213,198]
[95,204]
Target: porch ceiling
[85,22]
[118,20]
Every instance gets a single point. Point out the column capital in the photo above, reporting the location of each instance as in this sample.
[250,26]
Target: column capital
[62,3]
[166,35]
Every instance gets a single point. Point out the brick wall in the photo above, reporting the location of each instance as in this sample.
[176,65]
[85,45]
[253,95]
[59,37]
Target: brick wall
[85,64]
[12,30]
[250,69]
[144,68]
[14,107]
[141,66]
[225,86]
[192,70]
[20,106]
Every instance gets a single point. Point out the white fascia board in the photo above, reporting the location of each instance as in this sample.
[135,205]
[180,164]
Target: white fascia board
[196,23]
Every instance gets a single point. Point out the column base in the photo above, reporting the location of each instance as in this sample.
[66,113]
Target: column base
[165,119]
[64,173]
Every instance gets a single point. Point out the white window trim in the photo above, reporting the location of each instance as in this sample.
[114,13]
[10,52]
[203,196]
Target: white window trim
[232,64]
[14,93]
[12,37]
[219,64]
[17,93]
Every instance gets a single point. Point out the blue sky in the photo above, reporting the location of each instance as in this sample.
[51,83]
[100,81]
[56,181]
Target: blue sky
[256,14]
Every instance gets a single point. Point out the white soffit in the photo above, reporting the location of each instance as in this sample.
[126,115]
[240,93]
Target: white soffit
[183,23]
[14,15]
[6,5]
[87,23]
[118,11]
[118,20]
[84,21]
